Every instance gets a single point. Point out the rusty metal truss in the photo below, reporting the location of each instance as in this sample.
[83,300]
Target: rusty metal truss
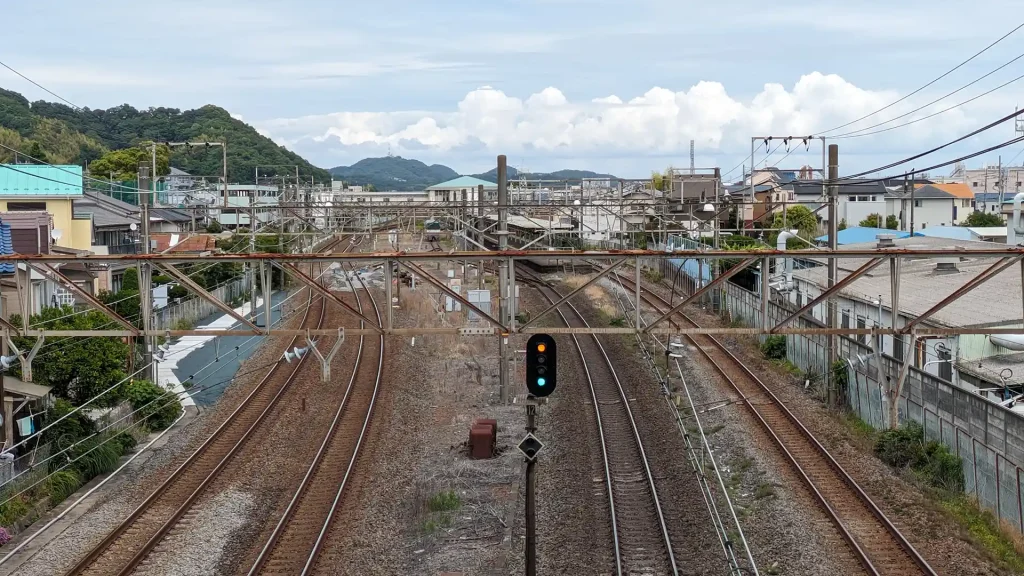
[1002,257]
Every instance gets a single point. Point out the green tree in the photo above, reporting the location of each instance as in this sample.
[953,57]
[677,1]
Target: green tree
[124,163]
[872,221]
[157,406]
[77,368]
[842,224]
[799,218]
[130,280]
[892,222]
[982,219]
[214,227]
[36,151]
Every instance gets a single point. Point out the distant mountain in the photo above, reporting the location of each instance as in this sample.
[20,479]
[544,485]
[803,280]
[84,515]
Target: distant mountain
[513,174]
[60,134]
[393,173]
[397,173]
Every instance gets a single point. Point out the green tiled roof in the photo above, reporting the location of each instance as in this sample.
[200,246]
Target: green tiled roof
[40,180]
[463,182]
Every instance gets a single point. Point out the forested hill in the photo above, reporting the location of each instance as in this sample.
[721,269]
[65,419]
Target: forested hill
[397,173]
[66,135]
[393,173]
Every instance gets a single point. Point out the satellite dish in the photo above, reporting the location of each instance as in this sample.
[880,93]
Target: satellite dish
[56,234]
[133,226]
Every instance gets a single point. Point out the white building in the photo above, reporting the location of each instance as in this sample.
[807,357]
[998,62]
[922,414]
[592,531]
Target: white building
[375,197]
[462,188]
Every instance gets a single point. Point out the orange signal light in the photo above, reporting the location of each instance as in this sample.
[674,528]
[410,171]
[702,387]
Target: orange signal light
[541,347]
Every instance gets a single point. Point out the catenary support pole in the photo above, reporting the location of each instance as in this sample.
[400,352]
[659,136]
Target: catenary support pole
[503,280]
[833,268]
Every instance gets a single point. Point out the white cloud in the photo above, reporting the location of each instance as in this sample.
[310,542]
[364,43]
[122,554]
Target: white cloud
[658,123]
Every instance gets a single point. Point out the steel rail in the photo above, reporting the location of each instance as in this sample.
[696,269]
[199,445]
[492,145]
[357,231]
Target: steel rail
[544,288]
[273,542]
[892,532]
[96,553]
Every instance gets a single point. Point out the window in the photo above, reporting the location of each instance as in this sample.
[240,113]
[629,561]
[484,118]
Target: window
[862,198]
[975,184]
[874,198]
[846,319]
[862,323]
[924,225]
[965,203]
[799,299]
[26,206]
[917,203]
[853,198]
[897,348]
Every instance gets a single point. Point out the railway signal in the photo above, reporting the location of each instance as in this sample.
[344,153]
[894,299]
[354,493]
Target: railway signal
[541,365]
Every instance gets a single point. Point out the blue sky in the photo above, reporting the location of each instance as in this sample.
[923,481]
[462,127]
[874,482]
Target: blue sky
[597,84]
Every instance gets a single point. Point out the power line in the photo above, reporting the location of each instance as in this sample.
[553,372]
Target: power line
[43,88]
[854,133]
[947,73]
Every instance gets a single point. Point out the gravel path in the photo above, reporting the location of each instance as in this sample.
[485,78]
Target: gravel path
[416,452]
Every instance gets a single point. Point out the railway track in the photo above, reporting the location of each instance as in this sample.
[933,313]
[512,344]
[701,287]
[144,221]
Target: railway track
[295,544]
[641,541]
[125,547]
[875,541]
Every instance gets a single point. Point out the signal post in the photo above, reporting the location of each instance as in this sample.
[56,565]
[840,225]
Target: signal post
[541,379]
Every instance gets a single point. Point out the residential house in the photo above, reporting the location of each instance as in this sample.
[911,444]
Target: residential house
[169,220]
[52,189]
[116,230]
[933,205]
[38,202]
[461,188]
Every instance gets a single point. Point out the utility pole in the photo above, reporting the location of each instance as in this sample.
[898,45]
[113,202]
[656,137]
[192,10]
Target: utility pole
[833,264]
[912,187]
[146,279]
[504,290]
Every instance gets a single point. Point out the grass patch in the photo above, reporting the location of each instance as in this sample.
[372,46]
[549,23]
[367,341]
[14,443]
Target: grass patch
[444,501]
[763,491]
[932,462]
[618,322]
[183,324]
[61,485]
[714,429]
[653,276]
[983,531]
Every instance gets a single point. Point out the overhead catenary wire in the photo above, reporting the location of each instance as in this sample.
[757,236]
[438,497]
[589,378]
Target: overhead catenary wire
[932,115]
[947,73]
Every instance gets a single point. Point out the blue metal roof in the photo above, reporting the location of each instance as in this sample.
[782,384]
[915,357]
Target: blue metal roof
[462,182]
[40,180]
[951,232]
[861,234]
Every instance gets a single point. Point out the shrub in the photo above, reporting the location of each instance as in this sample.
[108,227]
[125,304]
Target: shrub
[934,464]
[95,457]
[5,536]
[214,227]
[774,347]
[157,406]
[901,447]
[840,375]
[14,510]
[62,484]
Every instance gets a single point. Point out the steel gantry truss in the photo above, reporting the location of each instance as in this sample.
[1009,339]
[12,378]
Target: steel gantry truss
[1004,257]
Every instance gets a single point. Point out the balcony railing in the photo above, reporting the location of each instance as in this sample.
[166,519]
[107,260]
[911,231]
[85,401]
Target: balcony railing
[123,248]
